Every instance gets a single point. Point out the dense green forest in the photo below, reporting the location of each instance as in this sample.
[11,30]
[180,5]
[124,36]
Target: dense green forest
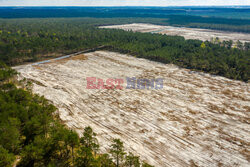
[218,18]
[31,134]
[25,40]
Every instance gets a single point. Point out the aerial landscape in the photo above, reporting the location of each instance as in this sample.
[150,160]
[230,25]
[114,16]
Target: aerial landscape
[124,84]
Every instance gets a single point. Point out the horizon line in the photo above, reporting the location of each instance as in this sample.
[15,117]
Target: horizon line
[130,6]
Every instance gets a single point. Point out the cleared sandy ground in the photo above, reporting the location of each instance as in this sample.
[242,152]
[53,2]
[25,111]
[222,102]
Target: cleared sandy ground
[188,33]
[195,119]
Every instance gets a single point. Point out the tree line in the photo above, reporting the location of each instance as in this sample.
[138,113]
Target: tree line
[227,19]
[26,40]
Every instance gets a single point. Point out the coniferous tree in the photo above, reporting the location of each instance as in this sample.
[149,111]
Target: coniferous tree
[88,149]
[117,151]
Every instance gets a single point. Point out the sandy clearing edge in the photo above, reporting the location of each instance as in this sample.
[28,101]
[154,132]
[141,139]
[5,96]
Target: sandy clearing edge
[195,118]
[188,33]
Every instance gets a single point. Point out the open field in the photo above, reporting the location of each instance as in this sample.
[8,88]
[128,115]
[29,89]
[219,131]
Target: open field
[188,33]
[195,119]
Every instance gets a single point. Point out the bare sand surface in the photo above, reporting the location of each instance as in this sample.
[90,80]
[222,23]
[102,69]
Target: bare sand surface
[188,33]
[195,119]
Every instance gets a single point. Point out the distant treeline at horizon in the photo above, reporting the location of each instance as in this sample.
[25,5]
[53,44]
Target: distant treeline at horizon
[235,19]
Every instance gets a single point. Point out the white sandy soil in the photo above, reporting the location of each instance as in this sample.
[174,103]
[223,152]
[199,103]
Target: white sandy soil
[195,119]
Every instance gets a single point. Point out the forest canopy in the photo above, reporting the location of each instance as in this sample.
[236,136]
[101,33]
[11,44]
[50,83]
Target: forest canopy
[26,40]
[219,18]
